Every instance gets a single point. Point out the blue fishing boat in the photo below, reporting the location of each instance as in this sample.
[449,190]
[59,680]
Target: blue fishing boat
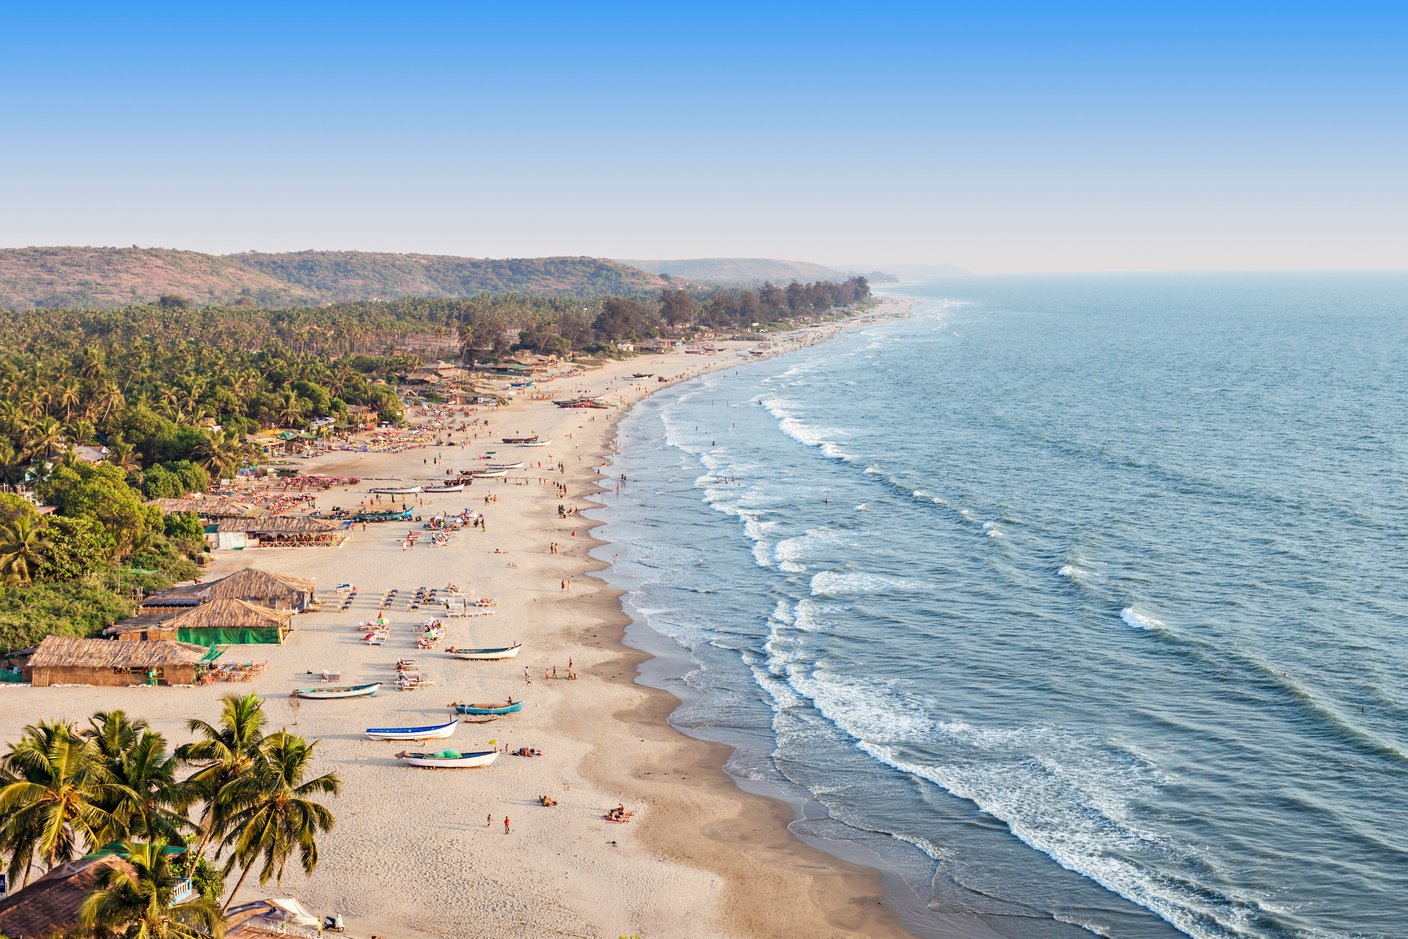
[435,732]
[509,707]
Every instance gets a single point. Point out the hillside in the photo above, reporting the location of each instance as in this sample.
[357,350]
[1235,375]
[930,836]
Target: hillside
[356,275]
[738,270]
[112,277]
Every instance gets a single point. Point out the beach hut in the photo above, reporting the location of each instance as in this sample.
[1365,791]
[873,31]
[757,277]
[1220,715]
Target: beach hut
[221,621]
[117,663]
[49,906]
[258,919]
[282,531]
[266,588]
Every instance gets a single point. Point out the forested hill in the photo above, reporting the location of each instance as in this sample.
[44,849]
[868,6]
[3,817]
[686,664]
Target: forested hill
[115,277]
[739,270]
[362,275]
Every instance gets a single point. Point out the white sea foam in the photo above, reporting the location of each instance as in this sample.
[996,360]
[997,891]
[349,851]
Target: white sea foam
[994,530]
[860,583]
[1138,619]
[793,427]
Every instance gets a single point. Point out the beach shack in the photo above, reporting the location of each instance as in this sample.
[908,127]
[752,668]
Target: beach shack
[114,663]
[283,916]
[279,531]
[220,621]
[276,591]
[49,906]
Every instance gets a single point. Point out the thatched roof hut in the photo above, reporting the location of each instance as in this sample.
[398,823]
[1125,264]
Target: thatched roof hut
[49,906]
[209,507]
[265,588]
[61,660]
[220,621]
[285,530]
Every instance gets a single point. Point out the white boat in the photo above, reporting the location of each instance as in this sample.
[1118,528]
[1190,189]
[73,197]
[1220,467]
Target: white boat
[457,487]
[488,473]
[502,652]
[396,490]
[507,466]
[413,733]
[339,691]
[449,759]
[538,443]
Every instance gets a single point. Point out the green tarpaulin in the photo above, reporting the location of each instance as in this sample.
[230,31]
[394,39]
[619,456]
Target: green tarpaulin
[228,637]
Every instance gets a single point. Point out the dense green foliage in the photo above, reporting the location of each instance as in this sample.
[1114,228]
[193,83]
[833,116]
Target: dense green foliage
[66,792]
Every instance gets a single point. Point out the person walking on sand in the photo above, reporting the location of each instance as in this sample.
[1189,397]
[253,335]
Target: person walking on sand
[489,821]
[506,828]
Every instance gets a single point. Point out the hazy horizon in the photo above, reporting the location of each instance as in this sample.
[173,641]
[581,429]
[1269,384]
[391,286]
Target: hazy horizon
[1024,139]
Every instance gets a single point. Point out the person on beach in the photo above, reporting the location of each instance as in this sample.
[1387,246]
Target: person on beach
[506,828]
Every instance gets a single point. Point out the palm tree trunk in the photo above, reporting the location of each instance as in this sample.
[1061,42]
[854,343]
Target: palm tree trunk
[238,884]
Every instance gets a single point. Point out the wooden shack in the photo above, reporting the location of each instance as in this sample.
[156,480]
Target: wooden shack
[221,621]
[282,531]
[265,588]
[49,906]
[117,663]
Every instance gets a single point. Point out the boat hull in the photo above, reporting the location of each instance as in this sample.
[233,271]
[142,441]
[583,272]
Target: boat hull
[352,691]
[463,761]
[444,488]
[485,655]
[413,733]
[513,708]
[396,490]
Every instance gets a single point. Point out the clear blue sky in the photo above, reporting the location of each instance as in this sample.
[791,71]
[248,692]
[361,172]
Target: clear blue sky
[997,136]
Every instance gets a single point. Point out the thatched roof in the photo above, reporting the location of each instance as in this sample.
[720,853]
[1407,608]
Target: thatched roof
[279,525]
[263,587]
[212,507]
[66,652]
[49,906]
[217,614]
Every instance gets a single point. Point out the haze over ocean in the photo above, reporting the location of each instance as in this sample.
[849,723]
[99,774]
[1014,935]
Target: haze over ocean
[1078,599]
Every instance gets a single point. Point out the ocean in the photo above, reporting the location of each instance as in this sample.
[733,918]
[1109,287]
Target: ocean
[1074,603]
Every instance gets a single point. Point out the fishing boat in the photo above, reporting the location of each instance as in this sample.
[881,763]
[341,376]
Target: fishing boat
[502,652]
[453,487]
[520,384]
[392,515]
[396,490]
[488,473]
[532,439]
[413,733]
[538,443]
[449,759]
[643,375]
[506,466]
[511,707]
[339,691]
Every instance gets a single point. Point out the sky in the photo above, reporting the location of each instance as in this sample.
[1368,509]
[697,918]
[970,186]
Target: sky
[995,136]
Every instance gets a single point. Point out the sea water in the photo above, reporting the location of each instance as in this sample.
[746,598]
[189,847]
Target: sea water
[1078,604]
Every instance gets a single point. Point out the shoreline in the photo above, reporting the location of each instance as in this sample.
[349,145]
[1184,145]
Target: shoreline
[703,856]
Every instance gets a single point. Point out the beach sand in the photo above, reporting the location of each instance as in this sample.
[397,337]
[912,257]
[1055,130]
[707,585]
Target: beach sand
[425,853]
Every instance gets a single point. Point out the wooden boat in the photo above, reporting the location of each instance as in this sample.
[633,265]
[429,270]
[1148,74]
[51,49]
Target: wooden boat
[520,384]
[394,515]
[538,443]
[396,490]
[449,759]
[453,487]
[488,473]
[532,439]
[502,652]
[506,708]
[505,466]
[643,375]
[339,691]
[413,733]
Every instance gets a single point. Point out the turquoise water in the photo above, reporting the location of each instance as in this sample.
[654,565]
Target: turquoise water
[1077,602]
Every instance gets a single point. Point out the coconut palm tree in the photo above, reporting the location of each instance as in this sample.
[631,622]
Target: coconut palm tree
[51,809]
[21,549]
[277,812]
[136,758]
[220,454]
[226,750]
[138,901]
[45,436]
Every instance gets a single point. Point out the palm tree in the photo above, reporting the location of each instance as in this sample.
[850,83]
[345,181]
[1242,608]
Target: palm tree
[229,749]
[277,813]
[220,454]
[45,435]
[52,808]
[69,398]
[136,902]
[21,548]
[290,412]
[136,758]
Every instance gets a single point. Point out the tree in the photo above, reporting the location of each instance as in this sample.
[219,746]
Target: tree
[137,901]
[136,759]
[278,814]
[678,308]
[21,550]
[52,810]
[100,492]
[227,750]
[71,547]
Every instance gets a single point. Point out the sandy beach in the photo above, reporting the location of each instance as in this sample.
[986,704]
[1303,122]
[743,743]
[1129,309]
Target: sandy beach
[427,853]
